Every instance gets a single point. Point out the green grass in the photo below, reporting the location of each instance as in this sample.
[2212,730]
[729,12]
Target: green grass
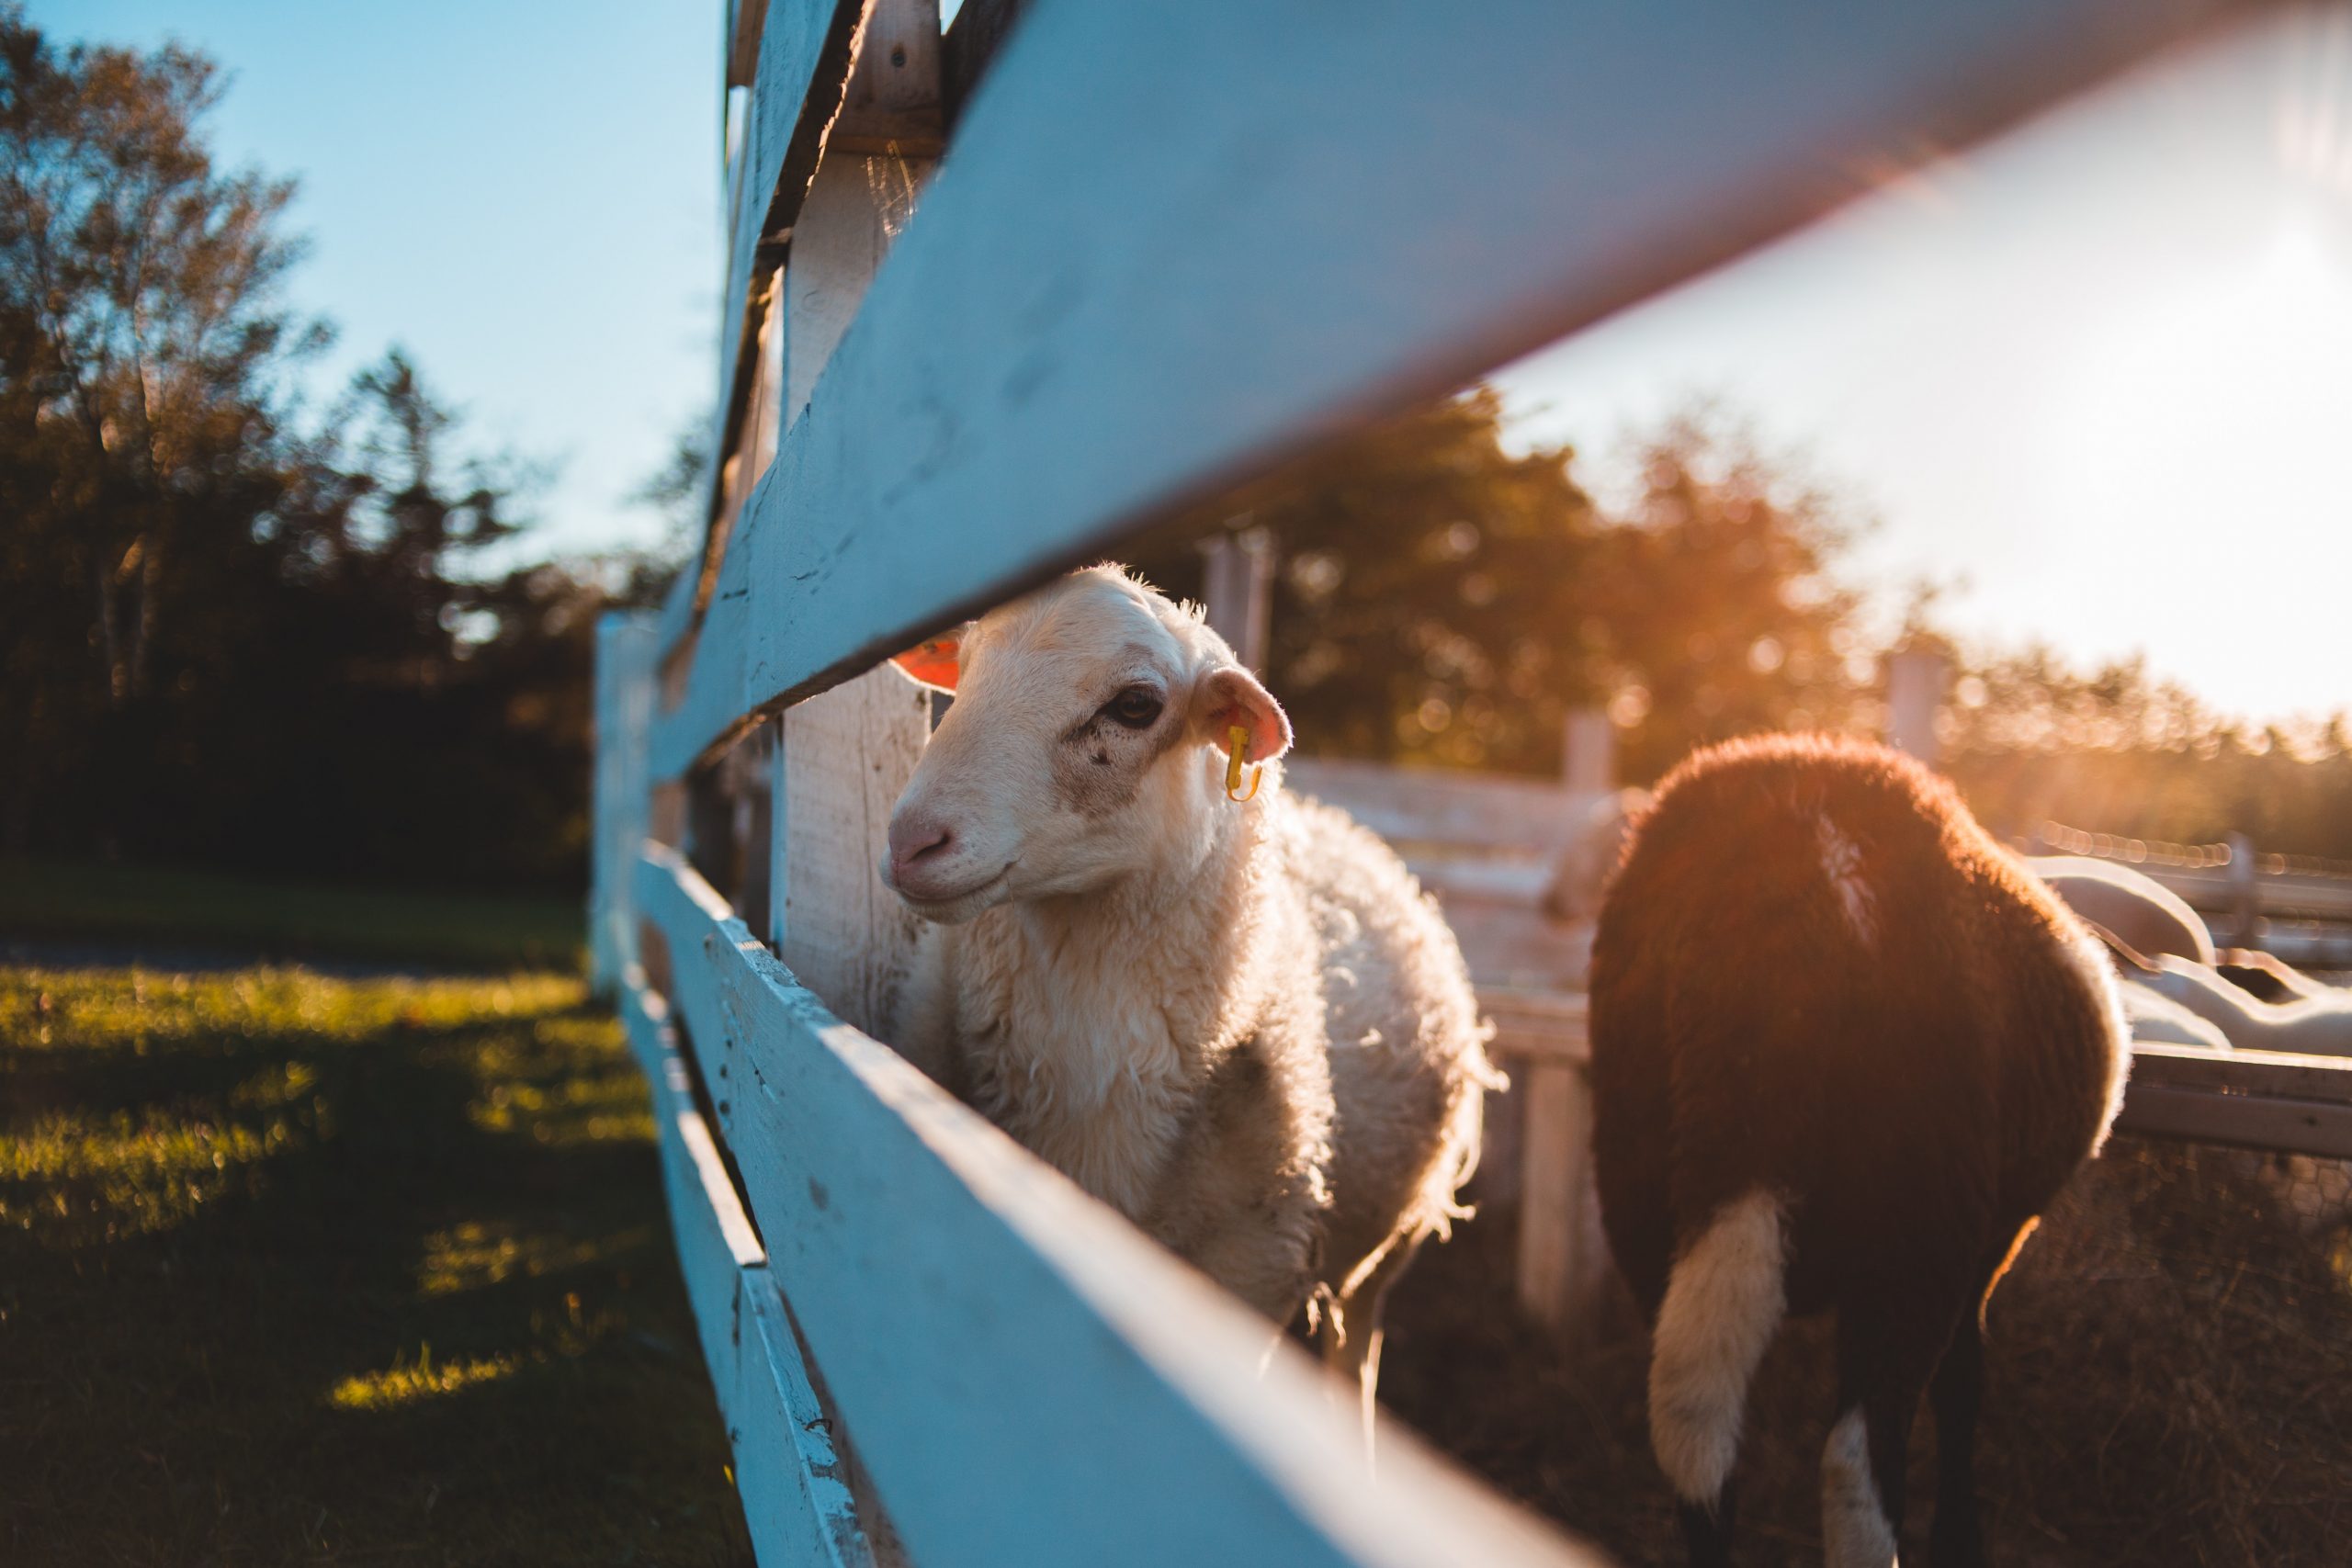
[62,900]
[297,1270]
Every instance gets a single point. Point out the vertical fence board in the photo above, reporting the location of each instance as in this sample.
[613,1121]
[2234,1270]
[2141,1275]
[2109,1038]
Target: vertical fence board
[626,652]
[847,753]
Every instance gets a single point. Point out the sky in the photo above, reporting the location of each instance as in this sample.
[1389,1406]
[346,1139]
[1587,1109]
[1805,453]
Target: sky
[2095,378]
[523,196]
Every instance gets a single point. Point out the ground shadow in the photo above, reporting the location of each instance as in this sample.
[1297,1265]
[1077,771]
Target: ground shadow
[2165,1378]
[341,1270]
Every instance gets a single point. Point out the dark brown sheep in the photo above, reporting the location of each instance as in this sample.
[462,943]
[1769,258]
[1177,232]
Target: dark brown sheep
[1845,1050]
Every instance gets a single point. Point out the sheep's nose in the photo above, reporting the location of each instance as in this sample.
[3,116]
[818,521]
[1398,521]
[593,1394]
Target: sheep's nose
[916,838]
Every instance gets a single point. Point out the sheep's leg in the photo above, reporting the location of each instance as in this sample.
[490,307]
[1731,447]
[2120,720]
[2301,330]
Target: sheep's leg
[1957,1395]
[1707,1528]
[1887,1351]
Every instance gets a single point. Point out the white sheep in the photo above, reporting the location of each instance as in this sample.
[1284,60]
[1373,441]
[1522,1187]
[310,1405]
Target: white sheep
[1239,1022]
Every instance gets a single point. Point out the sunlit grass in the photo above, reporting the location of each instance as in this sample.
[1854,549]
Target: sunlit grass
[399,1385]
[287,1258]
[477,1254]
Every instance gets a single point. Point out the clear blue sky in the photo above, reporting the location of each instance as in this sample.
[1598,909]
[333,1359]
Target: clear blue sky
[2102,371]
[525,195]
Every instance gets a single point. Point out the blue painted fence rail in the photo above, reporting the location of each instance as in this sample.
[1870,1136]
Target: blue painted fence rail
[1169,244]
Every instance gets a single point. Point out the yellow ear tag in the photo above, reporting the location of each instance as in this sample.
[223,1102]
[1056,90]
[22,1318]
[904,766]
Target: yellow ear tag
[1237,749]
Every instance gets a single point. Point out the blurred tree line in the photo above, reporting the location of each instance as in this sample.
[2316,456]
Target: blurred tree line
[231,633]
[1444,598]
[240,632]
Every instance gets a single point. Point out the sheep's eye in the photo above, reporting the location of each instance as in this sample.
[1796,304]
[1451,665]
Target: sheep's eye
[1135,707]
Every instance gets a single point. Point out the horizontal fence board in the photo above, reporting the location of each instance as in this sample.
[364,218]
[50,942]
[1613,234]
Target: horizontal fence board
[1550,1026]
[2327,897]
[1432,805]
[1028,1379]
[794,1501]
[790,1473]
[2327,1078]
[2248,1121]
[676,900]
[1128,290]
[713,706]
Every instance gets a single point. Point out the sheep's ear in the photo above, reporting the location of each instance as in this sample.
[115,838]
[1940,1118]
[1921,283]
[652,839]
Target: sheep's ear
[933,663]
[1230,695]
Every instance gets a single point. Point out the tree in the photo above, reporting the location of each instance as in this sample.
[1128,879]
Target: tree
[142,348]
[1445,599]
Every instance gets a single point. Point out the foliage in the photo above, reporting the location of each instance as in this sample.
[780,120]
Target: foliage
[294,1269]
[1443,599]
[144,910]
[237,638]
[2030,739]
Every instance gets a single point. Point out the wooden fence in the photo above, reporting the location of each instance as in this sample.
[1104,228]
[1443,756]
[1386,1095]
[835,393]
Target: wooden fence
[1163,245]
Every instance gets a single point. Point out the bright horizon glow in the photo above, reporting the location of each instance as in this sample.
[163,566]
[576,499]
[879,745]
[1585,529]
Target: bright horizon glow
[2099,373]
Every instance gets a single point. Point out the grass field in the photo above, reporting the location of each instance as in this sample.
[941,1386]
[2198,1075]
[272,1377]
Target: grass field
[299,1270]
[131,905]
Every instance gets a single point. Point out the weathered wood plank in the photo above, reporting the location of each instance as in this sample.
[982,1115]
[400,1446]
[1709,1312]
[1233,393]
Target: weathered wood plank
[975,1317]
[625,651]
[678,901]
[857,205]
[847,754]
[711,704]
[1130,292]
[1548,1026]
[1560,1270]
[2324,1078]
[1432,806]
[2249,1120]
[787,1469]
[790,1471]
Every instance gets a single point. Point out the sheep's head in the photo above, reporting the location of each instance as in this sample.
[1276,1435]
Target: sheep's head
[1088,742]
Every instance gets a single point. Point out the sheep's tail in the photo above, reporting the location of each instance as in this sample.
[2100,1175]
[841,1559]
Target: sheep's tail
[1724,1300]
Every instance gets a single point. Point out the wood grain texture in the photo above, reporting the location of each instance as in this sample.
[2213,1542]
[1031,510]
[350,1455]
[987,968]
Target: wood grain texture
[857,204]
[848,752]
[1027,1378]
[788,1471]
[1130,290]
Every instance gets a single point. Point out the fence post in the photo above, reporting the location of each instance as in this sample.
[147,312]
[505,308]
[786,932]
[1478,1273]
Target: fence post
[1239,590]
[1914,690]
[1588,753]
[843,755]
[625,648]
[2245,896]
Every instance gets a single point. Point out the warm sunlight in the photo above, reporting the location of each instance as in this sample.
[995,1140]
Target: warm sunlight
[2098,385]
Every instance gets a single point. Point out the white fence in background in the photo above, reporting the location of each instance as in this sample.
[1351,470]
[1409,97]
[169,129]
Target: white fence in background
[1165,244]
